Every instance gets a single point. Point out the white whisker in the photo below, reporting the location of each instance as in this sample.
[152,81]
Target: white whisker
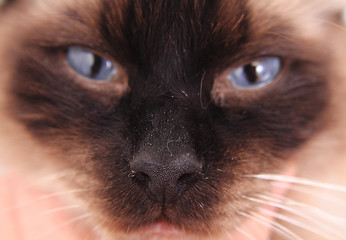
[89,235]
[59,210]
[292,40]
[56,176]
[300,224]
[246,234]
[44,197]
[92,233]
[314,192]
[229,235]
[316,212]
[73,220]
[210,235]
[297,180]
[337,26]
[303,214]
[277,227]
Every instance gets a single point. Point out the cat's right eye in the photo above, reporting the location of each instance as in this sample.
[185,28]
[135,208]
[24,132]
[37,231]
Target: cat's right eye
[256,74]
[90,65]
[247,79]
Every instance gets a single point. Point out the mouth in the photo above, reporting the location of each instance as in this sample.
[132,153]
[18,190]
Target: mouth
[257,224]
[162,230]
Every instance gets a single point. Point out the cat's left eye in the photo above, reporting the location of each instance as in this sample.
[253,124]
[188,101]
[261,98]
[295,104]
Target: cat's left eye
[256,74]
[90,65]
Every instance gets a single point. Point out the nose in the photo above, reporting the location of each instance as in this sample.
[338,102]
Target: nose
[165,182]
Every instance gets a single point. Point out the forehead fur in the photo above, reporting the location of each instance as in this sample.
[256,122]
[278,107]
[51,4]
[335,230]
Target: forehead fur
[308,19]
[307,16]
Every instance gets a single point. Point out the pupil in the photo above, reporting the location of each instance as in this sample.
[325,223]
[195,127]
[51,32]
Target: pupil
[95,70]
[251,73]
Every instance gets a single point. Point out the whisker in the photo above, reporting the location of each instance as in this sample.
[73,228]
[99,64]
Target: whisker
[44,197]
[246,234]
[308,191]
[299,224]
[204,106]
[210,235]
[292,40]
[58,210]
[277,227]
[88,235]
[337,26]
[311,209]
[297,180]
[273,202]
[97,229]
[91,234]
[73,220]
[55,176]
[229,235]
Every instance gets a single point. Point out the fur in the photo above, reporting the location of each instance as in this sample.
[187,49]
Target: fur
[170,100]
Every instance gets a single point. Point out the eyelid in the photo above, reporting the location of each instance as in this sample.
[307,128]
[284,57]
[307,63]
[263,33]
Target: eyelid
[224,92]
[113,88]
[89,64]
[256,74]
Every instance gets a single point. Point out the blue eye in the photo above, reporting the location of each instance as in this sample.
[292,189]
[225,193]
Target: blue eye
[90,65]
[257,74]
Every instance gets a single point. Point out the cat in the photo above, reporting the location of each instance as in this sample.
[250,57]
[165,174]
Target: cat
[184,119]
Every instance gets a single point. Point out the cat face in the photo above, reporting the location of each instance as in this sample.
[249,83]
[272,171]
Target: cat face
[163,109]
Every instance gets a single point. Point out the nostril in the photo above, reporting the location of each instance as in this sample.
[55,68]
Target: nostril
[187,178]
[142,177]
[165,181]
